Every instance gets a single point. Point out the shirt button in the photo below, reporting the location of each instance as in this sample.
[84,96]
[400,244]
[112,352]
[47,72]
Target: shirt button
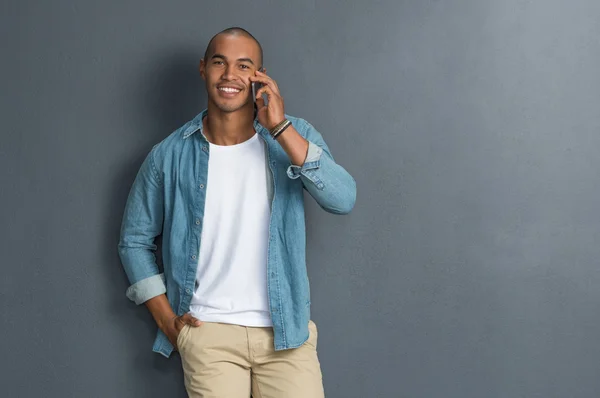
[197,222]
[201,186]
[193,257]
[187,290]
[204,148]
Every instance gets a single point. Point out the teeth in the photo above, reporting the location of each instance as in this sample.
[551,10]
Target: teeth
[229,90]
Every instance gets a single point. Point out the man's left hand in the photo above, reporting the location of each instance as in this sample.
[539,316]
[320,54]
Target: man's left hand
[273,113]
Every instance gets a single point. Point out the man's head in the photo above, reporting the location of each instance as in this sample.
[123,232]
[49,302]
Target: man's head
[231,57]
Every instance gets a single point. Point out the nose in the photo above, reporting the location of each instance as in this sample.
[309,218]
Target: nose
[228,72]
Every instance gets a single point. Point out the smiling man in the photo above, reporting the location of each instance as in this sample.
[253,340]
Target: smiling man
[225,190]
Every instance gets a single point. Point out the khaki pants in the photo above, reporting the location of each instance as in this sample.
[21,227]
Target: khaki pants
[231,361]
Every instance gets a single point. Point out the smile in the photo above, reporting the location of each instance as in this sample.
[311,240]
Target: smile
[229,89]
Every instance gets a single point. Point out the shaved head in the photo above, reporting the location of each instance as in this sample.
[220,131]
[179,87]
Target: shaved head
[233,31]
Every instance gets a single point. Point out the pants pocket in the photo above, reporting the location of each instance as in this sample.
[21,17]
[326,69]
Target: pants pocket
[181,335]
[313,334]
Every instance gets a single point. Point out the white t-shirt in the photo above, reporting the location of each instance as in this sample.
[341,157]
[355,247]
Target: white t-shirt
[231,281]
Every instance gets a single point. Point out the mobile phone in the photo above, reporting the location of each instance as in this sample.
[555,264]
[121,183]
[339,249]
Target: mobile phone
[256,86]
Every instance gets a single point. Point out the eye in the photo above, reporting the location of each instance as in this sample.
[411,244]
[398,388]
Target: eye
[244,66]
[217,62]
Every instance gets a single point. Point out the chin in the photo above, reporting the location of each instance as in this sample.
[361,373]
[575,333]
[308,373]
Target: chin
[229,107]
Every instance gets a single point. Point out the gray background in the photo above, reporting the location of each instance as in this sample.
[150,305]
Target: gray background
[469,266]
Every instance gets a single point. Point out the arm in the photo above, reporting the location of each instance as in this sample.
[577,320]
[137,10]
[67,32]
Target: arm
[162,312]
[142,223]
[328,183]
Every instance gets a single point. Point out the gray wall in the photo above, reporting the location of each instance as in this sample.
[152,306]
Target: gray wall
[469,266]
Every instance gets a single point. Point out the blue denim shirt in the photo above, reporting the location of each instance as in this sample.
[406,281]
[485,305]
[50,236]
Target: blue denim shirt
[168,197]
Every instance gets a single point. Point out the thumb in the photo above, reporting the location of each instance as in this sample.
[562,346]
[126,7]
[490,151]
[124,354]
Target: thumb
[193,321]
[185,318]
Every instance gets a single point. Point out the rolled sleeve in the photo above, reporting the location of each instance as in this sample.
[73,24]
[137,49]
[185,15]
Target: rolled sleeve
[142,223]
[312,162]
[328,183]
[314,153]
[147,288]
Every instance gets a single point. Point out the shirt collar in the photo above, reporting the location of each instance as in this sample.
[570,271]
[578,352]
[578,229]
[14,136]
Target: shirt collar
[196,125]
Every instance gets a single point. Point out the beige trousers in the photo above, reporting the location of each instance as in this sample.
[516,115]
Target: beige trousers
[231,361]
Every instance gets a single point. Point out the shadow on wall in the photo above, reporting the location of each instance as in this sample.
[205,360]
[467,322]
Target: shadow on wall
[167,94]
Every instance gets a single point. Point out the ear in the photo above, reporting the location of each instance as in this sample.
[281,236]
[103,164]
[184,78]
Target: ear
[202,69]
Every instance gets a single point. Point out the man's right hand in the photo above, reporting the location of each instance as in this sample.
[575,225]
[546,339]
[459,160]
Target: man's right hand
[167,320]
[173,327]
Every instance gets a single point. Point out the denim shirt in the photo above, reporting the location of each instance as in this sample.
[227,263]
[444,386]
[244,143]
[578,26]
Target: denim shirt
[168,196]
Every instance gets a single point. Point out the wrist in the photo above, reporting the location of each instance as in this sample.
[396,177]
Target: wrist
[280,128]
[166,321]
[274,126]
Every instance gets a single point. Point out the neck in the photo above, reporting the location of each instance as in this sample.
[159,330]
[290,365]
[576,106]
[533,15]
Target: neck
[228,128]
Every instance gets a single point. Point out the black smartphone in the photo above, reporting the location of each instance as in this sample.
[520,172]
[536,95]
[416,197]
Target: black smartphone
[256,86]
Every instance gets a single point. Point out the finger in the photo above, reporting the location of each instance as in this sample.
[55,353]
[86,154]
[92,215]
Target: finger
[185,318]
[264,74]
[266,80]
[261,79]
[188,319]
[268,91]
[260,102]
[178,322]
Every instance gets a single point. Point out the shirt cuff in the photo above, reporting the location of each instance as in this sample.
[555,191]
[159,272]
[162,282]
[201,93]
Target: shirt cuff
[312,161]
[146,289]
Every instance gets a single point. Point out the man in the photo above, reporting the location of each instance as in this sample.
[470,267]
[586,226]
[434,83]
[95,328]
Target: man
[226,192]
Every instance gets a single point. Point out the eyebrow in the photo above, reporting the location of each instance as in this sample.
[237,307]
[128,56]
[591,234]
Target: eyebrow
[239,59]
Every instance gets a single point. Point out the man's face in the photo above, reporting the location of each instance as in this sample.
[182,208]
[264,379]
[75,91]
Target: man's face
[226,72]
